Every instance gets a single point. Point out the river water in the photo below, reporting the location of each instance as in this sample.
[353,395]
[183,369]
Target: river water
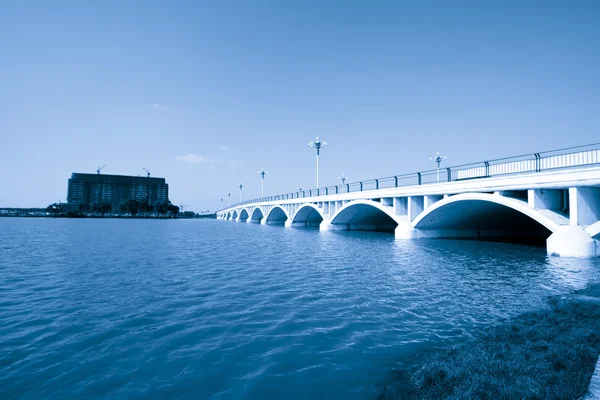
[222,310]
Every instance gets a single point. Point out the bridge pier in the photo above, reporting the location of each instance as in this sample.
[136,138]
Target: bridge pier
[404,230]
[572,241]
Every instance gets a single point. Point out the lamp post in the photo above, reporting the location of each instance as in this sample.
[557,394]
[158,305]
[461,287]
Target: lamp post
[438,159]
[343,178]
[241,187]
[262,173]
[317,145]
[221,203]
[228,199]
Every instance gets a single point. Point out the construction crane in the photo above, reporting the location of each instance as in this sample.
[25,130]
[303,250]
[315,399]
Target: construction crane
[147,172]
[100,168]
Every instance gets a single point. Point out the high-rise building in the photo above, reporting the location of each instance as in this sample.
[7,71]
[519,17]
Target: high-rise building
[88,190]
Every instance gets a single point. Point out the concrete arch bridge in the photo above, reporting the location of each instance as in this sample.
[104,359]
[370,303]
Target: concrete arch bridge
[558,206]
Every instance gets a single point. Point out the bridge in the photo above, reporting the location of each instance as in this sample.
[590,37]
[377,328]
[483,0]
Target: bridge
[551,197]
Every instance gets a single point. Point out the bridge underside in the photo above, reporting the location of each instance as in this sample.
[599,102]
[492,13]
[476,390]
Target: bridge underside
[482,220]
[307,217]
[363,217]
[257,216]
[277,217]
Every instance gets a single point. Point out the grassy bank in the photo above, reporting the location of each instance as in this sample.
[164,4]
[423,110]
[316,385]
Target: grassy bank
[547,354]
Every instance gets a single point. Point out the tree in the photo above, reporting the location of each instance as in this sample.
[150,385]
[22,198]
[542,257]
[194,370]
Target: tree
[104,208]
[161,207]
[173,209]
[166,207]
[130,206]
[54,208]
[145,207]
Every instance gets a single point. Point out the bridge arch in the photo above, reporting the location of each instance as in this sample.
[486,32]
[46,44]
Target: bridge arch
[277,215]
[257,215]
[234,215]
[594,230]
[228,217]
[244,215]
[364,215]
[308,215]
[481,215]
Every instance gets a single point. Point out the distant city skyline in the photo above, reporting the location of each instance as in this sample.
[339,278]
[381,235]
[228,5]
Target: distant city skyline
[206,94]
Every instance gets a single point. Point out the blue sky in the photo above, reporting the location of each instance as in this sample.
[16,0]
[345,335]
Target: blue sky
[207,93]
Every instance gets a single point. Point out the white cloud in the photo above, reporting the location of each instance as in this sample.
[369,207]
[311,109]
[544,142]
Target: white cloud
[162,107]
[192,158]
[224,147]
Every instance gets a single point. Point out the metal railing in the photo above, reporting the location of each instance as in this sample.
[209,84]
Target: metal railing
[536,162]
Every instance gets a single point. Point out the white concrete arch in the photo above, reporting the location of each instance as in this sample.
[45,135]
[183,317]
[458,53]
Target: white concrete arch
[594,230]
[228,218]
[244,214]
[234,215]
[445,211]
[307,215]
[257,215]
[366,215]
[277,215]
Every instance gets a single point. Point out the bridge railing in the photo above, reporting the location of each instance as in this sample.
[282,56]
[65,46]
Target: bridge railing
[536,162]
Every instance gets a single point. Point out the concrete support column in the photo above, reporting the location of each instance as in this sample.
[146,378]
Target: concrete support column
[288,223]
[545,199]
[415,207]
[263,221]
[584,205]
[387,201]
[430,200]
[401,205]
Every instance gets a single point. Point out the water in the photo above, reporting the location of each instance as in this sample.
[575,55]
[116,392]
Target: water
[222,310]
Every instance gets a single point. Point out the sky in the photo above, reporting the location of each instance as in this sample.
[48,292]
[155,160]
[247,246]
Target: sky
[206,93]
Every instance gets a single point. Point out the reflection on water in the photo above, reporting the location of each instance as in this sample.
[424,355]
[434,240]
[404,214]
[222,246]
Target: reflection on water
[215,309]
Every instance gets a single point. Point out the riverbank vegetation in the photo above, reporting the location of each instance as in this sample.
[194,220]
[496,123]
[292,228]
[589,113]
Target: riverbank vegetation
[546,354]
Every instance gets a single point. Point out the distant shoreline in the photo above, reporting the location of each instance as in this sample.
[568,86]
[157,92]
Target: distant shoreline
[208,216]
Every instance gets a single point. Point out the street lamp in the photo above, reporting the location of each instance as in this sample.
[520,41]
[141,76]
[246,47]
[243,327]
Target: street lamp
[262,173]
[438,159]
[221,203]
[228,199]
[343,178]
[241,187]
[317,145]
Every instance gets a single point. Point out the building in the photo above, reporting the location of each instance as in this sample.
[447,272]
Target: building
[90,190]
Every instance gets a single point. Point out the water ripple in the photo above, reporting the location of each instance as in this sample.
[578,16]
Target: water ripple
[209,309]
